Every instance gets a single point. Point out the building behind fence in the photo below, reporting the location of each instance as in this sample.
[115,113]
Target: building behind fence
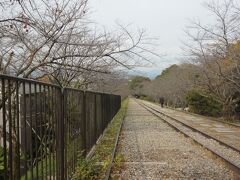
[44,128]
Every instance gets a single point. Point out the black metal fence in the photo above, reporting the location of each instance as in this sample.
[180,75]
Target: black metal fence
[43,128]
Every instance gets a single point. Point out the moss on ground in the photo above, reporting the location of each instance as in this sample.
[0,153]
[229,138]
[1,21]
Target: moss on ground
[96,167]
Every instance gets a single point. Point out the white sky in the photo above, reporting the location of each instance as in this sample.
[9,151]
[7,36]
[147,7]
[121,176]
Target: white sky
[164,19]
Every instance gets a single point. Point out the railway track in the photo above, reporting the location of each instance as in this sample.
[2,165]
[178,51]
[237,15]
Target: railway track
[109,170]
[227,153]
[230,159]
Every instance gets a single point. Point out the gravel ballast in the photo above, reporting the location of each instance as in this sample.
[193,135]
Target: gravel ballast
[227,153]
[154,150]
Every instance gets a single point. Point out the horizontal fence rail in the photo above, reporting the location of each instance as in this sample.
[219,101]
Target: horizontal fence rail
[44,128]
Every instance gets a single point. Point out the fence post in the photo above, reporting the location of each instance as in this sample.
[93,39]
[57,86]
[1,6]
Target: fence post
[61,135]
[84,125]
[95,118]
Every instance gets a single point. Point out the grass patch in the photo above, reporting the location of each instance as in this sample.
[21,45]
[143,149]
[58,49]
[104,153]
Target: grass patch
[87,169]
[96,167]
[42,169]
[118,166]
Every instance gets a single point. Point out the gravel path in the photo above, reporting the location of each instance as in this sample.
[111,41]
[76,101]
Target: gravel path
[153,150]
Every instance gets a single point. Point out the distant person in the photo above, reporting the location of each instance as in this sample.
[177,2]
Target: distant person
[161,101]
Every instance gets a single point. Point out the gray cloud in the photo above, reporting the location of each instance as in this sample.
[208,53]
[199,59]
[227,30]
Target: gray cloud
[164,19]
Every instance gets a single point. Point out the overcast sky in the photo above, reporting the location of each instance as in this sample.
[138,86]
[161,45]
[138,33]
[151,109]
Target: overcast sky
[165,19]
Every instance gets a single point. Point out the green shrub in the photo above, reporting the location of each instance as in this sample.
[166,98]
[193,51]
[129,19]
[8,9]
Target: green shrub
[146,98]
[236,99]
[137,81]
[86,169]
[202,104]
[1,163]
[95,168]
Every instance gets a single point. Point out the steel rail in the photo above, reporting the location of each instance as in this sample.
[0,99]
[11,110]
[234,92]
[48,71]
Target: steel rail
[202,116]
[109,170]
[235,167]
[197,130]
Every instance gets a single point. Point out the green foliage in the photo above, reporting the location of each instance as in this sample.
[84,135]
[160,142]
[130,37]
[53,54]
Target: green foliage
[146,98]
[41,166]
[201,104]
[86,169]
[118,166]
[118,161]
[236,99]
[136,82]
[1,163]
[166,71]
[96,167]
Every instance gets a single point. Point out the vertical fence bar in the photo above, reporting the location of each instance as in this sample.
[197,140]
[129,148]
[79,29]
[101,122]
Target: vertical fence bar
[54,111]
[58,109]
[41,129]
[45,129]
[24,129]
[54,132]
[87,121]
[65,121]
[102,109]
[30,128]
[95,118]
[58,113]
[84,125]
[61,128]
[36,129]
[98,115]
[4,130]
[49,138]
[102,114]
[17,132]
[52,125]
[69,140]
[10,161]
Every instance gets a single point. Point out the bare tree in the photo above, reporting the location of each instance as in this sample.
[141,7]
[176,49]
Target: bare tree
[216,49]
[58,39]
[43,37]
